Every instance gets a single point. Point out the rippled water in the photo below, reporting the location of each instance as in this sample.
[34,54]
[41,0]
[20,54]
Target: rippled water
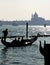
[29,55]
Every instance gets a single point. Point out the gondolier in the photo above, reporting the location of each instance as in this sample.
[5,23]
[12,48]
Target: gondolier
[5,33]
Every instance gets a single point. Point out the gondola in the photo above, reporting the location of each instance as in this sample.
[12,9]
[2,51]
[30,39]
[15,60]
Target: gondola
[18,43]
[45,51]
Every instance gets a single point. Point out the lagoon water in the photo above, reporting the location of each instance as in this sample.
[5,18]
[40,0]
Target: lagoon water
[29,55]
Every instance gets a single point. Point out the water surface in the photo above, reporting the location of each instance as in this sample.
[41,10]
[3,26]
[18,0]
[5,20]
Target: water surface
[29,55]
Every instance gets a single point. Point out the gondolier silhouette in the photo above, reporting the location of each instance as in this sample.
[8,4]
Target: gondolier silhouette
[5,33]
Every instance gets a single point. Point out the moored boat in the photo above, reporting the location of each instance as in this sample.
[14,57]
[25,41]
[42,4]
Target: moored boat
[45,51]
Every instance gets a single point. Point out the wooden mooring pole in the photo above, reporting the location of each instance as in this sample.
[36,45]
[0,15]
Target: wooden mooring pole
[26,30]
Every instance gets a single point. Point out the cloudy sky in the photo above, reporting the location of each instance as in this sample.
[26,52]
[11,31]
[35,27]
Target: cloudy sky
[23,9]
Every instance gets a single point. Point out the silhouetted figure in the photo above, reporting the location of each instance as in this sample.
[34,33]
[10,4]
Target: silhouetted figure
[5,33]
[14,41]
[45,52]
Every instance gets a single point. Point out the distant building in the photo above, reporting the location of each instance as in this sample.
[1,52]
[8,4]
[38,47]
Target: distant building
[35,20]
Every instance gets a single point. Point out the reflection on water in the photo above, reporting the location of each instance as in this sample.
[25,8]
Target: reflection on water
[4,56]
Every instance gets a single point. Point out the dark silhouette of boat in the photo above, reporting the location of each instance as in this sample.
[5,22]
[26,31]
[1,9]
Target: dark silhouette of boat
[45,51]
[18,43]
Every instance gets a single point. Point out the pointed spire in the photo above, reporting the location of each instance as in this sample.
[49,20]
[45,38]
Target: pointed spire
[35,15]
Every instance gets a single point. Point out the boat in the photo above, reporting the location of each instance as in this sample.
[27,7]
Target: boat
[41,49]
[45,51]
[18,43]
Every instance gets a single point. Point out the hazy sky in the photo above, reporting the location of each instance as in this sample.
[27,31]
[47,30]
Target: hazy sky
[23,9]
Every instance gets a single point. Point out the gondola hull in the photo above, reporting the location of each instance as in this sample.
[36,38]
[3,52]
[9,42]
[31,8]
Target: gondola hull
[16,43]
